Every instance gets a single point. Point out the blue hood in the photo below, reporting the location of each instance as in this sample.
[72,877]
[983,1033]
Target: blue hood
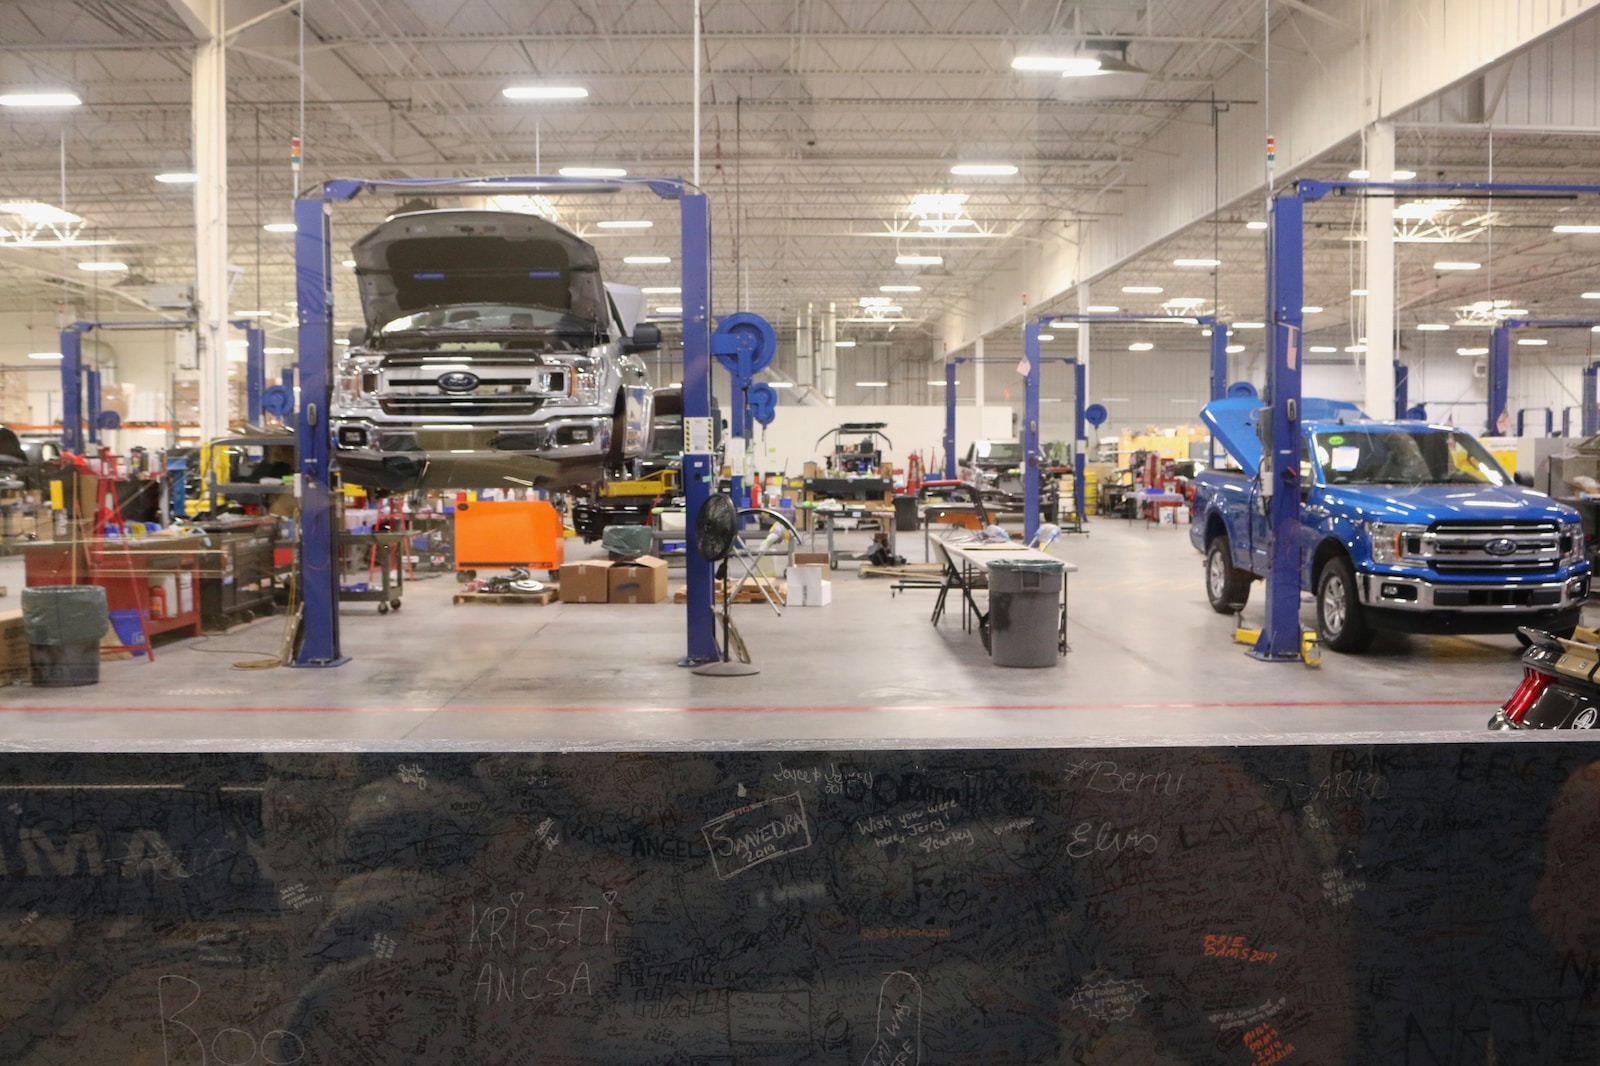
[1234,422]
[1421,504]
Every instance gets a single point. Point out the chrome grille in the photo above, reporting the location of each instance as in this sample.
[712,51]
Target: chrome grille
[468,405]
[506,388]
[1518,547]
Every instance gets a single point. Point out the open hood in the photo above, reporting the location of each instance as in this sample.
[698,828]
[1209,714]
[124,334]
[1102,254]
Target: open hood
[1234,421]
[441,258]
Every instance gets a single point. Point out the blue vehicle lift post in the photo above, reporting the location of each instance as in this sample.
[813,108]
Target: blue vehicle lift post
[74,378]
[255,367]
[319,645]
[1500,370]
[1280,638]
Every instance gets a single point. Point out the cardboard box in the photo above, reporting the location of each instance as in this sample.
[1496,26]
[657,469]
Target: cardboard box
[586,582]
[822,559]
[643,580]
[15,662]
[807,588]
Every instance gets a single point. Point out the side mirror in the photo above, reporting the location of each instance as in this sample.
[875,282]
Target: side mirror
[357,336]
[646,338]
[1523,478]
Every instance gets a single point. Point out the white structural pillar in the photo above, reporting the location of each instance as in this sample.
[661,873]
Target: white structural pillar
[828,358]
[804,362]
[210,111]
[977,379]
[1085,299]
[1380,275]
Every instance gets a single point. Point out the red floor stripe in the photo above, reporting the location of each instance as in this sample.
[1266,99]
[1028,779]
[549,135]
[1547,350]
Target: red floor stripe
[764,709]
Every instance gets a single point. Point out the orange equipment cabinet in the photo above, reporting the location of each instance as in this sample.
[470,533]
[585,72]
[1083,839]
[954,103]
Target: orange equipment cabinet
[502,534]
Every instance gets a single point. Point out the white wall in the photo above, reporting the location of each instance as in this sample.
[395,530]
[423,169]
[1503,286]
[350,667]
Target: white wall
[792,437]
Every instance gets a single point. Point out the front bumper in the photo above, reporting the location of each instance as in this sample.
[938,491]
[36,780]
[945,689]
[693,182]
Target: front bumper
[1405,593]
[555,453]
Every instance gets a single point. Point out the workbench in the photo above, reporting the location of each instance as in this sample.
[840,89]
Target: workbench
[826,519]
[966,570]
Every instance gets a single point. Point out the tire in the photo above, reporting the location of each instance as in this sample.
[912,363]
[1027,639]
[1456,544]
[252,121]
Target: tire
[1227,589]
[383,608]
[1341,624]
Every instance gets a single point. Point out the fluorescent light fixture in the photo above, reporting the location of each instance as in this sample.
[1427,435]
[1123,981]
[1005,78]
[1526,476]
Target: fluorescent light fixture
[55,98]
[670,309]
[1249,325]
[1143,290]
[1235,349]
[103,266]
[1576,229]
[1205,333]
[1355,348]
[280,227]
[1433,327]
[1511,312]
[1311,309]
[1472,351]
[239,343]
[348,263]
[1186,301]
[1451,264]
[918,260]
[626,223]
[899,288]
[1399,175]
[647,260]
[1047,336]
[874,301]
[781,384]
[661,290]
[844,344]
[872,384]
[1066,66]
[249,314]
[1322,349]
[1196,262]
[983,170]
[1424,210]
[344,341]
[544,92]
[592,172]
[44,355]
[1590,295]
[177,177]
[40,214]
[1255,223]
[941,382]
[1140,346]
[1103,309]
[1358,292]
[1532,342]
[1063,324]
[277,351]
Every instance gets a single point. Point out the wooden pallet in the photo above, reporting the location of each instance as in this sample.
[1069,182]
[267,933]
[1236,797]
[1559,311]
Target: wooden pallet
[748,594]
[520,599]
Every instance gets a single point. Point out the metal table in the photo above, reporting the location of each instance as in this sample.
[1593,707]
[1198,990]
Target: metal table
[966,568]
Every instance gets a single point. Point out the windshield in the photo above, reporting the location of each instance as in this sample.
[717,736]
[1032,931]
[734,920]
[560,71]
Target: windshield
[489,318]
[1396,457]
[990,451]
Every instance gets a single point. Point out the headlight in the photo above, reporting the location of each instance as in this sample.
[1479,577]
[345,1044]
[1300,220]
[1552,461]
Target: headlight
[583,380]
[358,381]
[1397,544]
[1573,548]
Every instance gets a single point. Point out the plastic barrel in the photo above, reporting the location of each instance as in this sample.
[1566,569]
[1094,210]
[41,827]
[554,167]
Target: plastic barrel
[64,624]
[1091,492]
[1025,611]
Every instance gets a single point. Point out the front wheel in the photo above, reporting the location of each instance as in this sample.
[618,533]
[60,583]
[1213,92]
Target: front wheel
[1227,589]
[1340,622]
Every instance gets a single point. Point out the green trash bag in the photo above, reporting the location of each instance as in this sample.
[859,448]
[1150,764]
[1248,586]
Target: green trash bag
[64,614]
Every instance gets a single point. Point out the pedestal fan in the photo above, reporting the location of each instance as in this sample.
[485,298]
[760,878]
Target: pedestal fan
[714,533]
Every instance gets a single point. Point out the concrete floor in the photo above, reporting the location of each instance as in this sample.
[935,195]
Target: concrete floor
[1150,662]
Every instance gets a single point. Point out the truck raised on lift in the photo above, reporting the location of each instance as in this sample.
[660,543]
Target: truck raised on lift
[493,356]
[1405,526]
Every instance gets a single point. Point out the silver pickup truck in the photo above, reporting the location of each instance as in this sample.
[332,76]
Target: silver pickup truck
[492,356]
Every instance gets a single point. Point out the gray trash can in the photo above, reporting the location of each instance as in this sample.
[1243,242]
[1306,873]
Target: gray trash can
[1025,611]
[905,514]
[64,624]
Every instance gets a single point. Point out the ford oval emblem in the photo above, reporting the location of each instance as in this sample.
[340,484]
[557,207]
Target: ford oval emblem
[458,381]
[1499,546]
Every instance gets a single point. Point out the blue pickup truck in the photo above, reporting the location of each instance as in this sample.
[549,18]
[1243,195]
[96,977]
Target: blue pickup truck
[1404,526]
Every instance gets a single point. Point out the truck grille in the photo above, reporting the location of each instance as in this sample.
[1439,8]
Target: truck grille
[510,390]
[1495,547]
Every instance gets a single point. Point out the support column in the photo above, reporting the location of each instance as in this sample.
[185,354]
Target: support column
[699,473]
[1380,275]
[1030,431]
[828,355]
[1080,377]
[210,136]
[255,372]
[950,419]
[1085,298]
[72,391]
[804,354]
[978,385]
[1499,423]
[1591,410]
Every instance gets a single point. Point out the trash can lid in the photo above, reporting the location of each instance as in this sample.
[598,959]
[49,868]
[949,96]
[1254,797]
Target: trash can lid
[1035,566]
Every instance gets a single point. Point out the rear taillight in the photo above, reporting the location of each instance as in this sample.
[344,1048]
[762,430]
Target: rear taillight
[1533,685]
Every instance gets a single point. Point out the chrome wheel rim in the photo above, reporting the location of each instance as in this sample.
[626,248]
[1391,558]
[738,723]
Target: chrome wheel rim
[1334,606]
[1216,576]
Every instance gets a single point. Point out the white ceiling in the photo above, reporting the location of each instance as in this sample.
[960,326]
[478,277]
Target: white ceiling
[820,122]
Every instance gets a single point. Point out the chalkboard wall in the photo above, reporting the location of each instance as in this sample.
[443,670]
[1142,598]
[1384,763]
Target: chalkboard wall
[1396,903]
